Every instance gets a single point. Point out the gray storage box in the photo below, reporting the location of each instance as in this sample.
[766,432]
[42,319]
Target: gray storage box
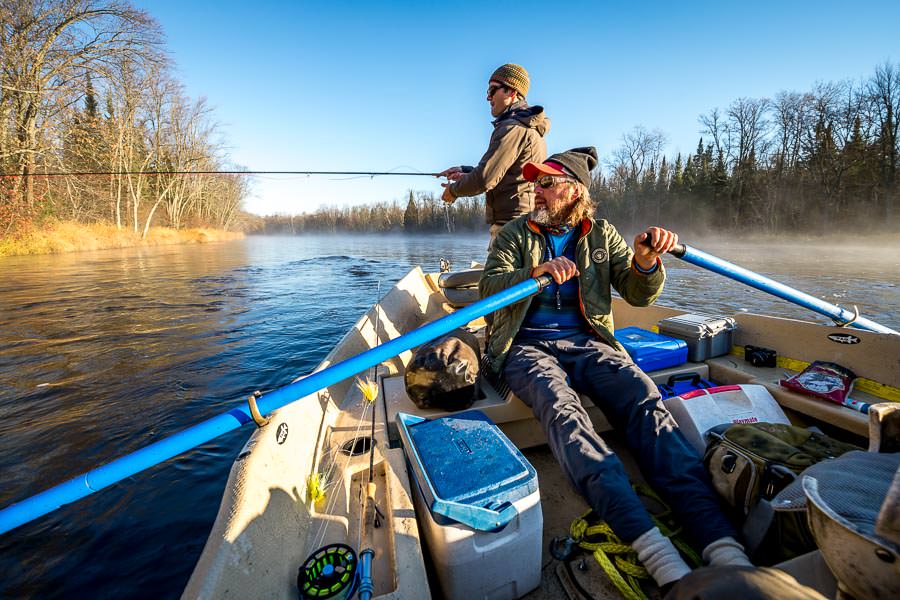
[706,336]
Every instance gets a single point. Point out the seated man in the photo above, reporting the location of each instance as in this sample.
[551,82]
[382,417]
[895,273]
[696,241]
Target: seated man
[560,344]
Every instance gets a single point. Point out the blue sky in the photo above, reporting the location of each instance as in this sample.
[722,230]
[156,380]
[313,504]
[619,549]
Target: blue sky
[360,86]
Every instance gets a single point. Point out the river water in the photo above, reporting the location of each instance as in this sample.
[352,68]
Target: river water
[104,352]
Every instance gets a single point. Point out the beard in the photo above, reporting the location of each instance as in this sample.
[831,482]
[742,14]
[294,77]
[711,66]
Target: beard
[562,215]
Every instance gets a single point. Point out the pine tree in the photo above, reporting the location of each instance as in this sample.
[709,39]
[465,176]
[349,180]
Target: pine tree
[411,214]
[662,183]
[677,175]
[90,101]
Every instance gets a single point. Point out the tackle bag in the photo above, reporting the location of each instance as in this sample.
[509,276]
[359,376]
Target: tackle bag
[442,372]
[749,461]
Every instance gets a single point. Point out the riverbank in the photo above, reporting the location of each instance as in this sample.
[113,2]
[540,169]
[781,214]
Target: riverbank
[56,238]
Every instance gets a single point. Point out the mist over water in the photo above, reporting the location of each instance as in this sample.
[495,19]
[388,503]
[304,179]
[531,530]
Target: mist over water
[104,352]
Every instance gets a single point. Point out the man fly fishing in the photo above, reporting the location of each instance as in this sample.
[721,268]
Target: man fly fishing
[518,138]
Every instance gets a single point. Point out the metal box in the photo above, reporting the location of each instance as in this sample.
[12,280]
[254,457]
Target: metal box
[706,336]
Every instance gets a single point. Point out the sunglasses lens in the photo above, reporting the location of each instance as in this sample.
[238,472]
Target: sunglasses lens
[546,182]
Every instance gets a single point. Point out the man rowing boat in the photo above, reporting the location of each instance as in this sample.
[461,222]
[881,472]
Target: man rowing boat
[561,344]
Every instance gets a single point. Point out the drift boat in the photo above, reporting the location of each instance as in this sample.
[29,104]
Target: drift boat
[304,491]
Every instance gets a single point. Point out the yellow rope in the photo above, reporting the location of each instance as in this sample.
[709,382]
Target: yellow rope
[624,559]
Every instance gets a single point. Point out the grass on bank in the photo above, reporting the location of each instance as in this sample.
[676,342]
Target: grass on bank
[56,238]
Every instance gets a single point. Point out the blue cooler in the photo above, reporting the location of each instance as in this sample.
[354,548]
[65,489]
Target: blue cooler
[652,351]
[478,504]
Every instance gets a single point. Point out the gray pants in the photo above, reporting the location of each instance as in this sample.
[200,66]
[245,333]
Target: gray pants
[549,375]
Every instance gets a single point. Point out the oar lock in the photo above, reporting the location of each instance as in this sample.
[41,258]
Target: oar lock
[841,323]
[260,420]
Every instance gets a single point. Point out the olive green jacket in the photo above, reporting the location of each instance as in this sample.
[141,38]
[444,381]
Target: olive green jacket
[604,261]
[518,138]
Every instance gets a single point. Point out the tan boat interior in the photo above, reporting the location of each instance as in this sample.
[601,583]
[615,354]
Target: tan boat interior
[268,523]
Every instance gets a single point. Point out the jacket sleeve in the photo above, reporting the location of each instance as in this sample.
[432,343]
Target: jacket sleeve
[500,156]
[504,266]
[638,289]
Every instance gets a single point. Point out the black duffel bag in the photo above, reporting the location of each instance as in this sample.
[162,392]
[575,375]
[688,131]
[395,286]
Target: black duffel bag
[442,373]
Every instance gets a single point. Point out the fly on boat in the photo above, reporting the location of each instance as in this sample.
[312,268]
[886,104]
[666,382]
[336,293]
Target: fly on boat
[357,489]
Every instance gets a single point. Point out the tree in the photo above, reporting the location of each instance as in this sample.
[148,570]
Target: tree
[46,46]
[411,214]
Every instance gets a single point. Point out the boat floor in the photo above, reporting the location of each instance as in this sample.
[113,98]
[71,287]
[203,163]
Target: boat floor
[561,504]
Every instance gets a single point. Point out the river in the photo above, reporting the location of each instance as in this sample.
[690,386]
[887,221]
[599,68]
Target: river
[104,352]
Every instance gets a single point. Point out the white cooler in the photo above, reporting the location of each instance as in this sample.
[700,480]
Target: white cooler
[698,411]
[478,504]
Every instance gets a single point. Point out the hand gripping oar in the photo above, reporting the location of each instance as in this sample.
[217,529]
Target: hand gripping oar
[841,316]
[117,470]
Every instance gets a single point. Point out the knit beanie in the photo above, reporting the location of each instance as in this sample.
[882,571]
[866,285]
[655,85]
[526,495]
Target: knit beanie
[577,163]
[513,76]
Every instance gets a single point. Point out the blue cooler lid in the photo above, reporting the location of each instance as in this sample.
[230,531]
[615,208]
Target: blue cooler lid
[467,469]
[652,351]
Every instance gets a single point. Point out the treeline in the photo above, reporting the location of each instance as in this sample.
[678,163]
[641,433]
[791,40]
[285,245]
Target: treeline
[422,212]
[813,161]
[85,86]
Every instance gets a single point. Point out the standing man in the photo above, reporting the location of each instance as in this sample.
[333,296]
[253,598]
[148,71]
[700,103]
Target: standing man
[518,138]
[561,344]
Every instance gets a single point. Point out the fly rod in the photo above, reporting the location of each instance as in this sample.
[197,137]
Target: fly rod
[225,172]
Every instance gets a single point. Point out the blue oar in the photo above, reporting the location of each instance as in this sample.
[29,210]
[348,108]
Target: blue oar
[841,316]
[117,470]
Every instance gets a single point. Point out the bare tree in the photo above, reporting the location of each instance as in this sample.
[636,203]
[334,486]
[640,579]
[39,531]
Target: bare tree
[47,44]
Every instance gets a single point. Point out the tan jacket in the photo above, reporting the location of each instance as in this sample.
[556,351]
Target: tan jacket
[518,138]
[604,262]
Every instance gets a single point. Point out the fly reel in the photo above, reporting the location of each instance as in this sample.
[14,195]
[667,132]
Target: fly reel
[331,572]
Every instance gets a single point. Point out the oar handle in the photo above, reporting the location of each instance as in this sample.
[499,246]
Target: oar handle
[677,251]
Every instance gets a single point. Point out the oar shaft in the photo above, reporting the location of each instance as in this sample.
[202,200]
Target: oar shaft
[156,453]
[760,282]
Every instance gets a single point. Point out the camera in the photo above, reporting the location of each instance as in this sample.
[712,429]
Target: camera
[760,357]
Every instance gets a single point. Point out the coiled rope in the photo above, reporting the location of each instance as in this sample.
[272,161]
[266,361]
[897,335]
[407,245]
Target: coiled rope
[618,560]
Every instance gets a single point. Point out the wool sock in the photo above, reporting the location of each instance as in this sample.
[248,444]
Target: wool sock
[726,552]
[660,557]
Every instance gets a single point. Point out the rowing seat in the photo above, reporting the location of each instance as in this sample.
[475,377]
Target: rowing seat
[460,288]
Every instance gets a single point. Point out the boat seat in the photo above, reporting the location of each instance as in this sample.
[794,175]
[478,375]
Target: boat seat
[854,513]
[504,408]
[460,288]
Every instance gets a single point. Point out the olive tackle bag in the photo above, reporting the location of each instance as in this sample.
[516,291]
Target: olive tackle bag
[749,461]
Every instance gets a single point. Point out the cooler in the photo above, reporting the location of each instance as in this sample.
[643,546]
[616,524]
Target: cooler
[478,504]
[706,336]
[699,411]
[652,351]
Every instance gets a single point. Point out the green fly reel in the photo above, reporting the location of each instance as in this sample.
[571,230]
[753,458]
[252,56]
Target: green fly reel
[331,572]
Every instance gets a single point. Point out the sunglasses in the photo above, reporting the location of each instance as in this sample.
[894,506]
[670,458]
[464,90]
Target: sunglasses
[493,90]
[548,181]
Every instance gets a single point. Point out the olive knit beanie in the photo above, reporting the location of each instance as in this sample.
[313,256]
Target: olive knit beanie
[513,76]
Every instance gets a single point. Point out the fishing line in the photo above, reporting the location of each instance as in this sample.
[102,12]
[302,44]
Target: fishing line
[330,485]
[332,496]
[219,172]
